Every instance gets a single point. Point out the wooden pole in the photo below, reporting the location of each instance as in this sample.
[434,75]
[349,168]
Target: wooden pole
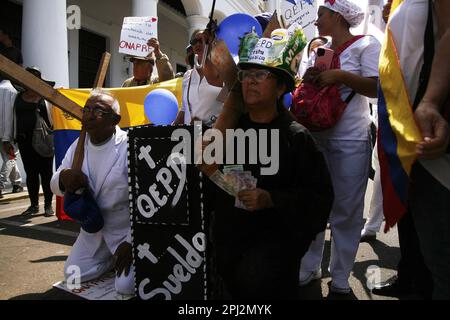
[101,72]
[19,75]
[98,83]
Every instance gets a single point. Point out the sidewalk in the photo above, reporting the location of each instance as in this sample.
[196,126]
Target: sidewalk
[9,196]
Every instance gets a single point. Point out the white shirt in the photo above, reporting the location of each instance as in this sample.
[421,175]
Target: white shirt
[360,58]
[107,169]
[95,157]
[407,25]
[7,97]
[201,101]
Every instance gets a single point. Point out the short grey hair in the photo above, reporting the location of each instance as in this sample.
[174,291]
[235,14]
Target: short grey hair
[102,92]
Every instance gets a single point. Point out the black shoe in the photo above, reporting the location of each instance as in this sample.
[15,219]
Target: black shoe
[17,189]
[392,288]
[31,210]
[1,194]
[48,212]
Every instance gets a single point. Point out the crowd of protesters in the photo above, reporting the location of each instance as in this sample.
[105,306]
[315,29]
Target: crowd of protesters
[275,242]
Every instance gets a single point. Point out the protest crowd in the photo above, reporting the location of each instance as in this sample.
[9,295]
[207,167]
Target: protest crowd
[336,110]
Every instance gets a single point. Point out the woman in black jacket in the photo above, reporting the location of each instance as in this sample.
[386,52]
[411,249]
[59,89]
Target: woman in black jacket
[27,106]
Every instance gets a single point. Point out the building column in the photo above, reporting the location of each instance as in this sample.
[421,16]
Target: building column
[144,8]
[44,39]
[196,22]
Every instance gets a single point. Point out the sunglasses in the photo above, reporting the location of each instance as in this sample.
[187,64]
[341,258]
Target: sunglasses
[195,41]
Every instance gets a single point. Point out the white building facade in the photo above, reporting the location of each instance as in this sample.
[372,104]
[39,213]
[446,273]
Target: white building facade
[65,38]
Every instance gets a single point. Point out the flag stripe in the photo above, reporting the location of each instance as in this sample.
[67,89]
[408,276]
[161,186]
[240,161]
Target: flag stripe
[397,104]
[388,141]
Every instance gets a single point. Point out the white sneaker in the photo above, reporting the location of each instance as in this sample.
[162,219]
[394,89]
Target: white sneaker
[368,235]
[306,277]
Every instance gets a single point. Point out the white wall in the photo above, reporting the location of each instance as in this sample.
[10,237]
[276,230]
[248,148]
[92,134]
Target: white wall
[105,17]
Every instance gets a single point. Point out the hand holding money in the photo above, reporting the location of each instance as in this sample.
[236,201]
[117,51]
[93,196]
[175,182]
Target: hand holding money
[256,199]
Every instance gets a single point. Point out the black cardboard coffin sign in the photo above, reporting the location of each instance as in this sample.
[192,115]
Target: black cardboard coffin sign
[168,225]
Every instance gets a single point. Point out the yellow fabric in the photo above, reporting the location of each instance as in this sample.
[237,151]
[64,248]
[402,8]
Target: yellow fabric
[395,4]
[131,102]
[398,106]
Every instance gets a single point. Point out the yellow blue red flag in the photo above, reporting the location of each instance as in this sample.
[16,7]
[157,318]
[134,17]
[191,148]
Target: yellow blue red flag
[398,132]
[131,100]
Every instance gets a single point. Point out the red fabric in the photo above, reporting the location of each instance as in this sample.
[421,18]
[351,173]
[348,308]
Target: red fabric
[320,109]
[393,208]
[60,214]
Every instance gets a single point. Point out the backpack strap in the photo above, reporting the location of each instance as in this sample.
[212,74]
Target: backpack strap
[347,44]
[335,64]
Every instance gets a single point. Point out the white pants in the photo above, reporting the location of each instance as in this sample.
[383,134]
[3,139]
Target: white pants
[9,170]
[375,218]
[93,266]
[348,162]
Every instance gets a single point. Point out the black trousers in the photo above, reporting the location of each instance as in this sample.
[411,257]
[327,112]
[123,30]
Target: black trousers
[429,205]
[260,270]
[412,271]
[35,166]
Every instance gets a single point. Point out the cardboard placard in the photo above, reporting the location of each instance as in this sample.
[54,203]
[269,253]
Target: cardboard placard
[302,12]
[136,31]
[168,222]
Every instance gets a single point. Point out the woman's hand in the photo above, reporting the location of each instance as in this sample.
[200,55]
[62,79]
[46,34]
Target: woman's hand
[435,131]
[310,75]
[328,78]
[256,199]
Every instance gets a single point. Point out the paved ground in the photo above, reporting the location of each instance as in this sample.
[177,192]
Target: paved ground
[33,251]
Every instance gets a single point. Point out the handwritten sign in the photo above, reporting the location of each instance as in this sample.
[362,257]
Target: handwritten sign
[136,31]
[168,222]
[102,288]
[302,12]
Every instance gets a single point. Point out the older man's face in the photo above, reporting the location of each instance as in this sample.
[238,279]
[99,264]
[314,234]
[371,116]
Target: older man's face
[98,115]
[142,70]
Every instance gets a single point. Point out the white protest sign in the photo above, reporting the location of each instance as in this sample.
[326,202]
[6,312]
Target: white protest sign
[136,31]
[102,288]
[303,12]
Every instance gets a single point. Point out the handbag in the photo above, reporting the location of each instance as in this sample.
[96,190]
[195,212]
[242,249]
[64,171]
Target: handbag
[42,139]
[321,108]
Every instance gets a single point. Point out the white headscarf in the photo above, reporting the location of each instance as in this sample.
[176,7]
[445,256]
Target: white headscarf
[350,11]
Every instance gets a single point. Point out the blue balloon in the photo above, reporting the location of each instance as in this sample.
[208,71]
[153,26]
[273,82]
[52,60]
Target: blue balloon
[234,27]
[161,106]
[287,100]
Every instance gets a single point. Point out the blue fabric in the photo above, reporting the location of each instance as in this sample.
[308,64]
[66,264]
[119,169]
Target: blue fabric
[84,209]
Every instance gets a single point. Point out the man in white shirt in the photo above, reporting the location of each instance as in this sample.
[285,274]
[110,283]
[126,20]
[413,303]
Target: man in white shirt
[8,151]
[105,173]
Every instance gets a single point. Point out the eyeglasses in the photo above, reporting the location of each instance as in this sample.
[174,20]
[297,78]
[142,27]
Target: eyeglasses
[194,41]
[97,111]
[258,76]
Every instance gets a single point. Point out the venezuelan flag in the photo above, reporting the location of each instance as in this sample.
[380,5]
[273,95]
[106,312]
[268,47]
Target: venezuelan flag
[398,132]
[131,100]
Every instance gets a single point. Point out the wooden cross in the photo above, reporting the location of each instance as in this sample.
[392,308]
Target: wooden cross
[19,75]
[98,83]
